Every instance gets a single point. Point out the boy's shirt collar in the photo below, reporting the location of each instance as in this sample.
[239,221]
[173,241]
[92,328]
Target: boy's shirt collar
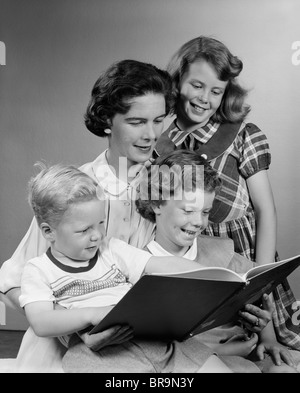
[157,250]
[78,267]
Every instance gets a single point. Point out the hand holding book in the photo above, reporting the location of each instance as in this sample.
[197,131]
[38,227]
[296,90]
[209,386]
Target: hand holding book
[254,318]
[180,305]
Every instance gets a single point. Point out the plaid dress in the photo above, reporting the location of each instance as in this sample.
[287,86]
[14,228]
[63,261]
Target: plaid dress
[236,152]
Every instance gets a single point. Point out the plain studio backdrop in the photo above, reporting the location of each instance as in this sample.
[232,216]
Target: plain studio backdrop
[55,51]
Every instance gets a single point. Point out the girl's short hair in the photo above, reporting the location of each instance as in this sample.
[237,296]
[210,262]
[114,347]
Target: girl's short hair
[121,82]
[55,188]
[169,173]
[227,66]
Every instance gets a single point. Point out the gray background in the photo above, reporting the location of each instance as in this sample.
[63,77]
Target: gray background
[56,49]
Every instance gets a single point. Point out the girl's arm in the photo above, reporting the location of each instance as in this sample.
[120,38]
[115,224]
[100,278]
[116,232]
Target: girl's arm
[49,322]
[262,198]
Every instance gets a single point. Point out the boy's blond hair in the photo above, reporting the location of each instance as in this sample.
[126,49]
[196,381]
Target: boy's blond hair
[55,188]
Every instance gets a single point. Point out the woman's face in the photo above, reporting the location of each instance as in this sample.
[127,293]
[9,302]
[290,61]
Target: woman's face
[200,95]
[134,135]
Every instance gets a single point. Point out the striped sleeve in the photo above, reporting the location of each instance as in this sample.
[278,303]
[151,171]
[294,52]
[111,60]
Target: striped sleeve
[254,150]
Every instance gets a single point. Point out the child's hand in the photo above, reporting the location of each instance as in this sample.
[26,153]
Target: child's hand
[255,319]
[238,345]
[112,336]
[278,353]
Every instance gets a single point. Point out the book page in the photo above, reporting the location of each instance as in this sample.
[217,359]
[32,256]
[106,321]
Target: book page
[207,273]
[257,270]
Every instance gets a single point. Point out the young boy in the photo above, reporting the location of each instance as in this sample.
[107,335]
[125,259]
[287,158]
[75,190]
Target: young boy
[180,218]
[87,274]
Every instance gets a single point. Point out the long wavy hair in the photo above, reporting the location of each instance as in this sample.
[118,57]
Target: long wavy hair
[227,66]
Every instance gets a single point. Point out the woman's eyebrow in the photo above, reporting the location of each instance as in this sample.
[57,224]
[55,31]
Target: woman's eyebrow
[144,118]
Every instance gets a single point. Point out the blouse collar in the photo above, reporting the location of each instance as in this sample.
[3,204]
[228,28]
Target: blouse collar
[108,180]
[203,134]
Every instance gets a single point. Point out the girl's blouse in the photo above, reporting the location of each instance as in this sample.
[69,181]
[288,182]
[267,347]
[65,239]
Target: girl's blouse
[122,222]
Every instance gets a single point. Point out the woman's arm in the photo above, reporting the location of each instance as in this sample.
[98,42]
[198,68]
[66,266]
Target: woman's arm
[49,322]
[262,198]
[11,299]
[32,245]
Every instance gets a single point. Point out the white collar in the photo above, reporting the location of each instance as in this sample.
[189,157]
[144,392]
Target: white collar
[107,179]
[158,251]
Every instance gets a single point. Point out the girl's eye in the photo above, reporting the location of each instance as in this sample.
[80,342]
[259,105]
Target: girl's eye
[217,92]
[84,230]
[158,121]
[196,85]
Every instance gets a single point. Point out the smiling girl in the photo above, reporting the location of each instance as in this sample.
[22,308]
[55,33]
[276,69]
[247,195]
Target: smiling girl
[211,113]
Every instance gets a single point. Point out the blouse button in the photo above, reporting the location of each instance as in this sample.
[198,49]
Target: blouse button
[126,219]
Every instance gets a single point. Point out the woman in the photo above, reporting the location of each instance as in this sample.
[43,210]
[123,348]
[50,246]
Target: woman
[128,105]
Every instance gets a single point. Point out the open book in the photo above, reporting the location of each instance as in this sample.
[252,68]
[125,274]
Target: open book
[180,305]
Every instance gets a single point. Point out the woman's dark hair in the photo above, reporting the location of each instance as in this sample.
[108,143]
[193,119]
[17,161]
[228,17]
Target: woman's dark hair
[178,170]
[121,82]
[227,66]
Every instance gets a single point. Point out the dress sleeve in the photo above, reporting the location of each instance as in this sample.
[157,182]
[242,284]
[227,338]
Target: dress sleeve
[32,245]
[254,150]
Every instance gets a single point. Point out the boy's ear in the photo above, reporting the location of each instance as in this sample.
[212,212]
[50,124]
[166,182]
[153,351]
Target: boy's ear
[47,231]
